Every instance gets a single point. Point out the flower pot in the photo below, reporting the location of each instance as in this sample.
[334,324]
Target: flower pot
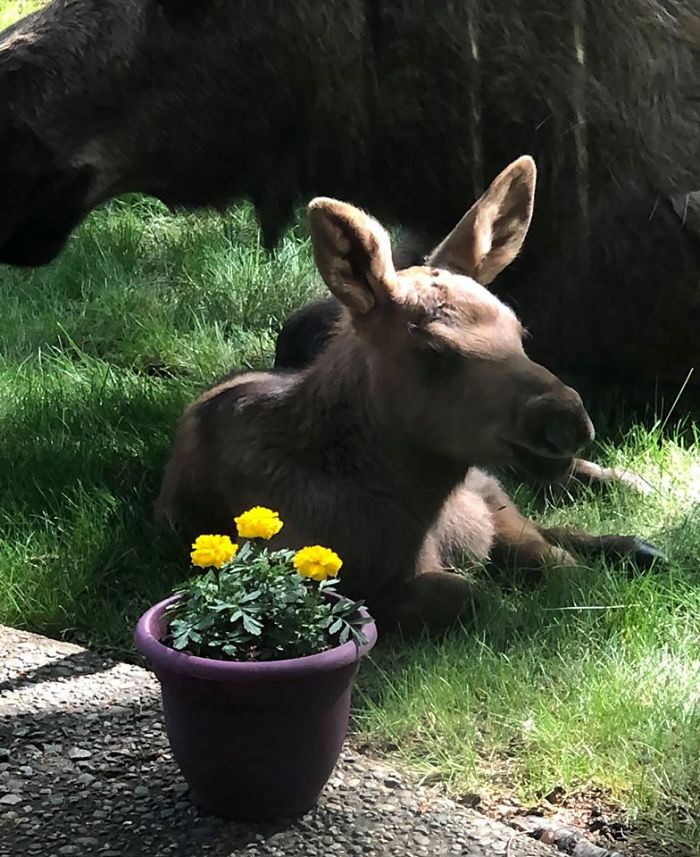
[254,740]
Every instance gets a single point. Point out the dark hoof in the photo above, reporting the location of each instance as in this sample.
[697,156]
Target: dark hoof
[646,555]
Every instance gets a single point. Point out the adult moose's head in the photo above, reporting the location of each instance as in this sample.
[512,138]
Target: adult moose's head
[446,364]
[384,105]
[52,167]
[102,97]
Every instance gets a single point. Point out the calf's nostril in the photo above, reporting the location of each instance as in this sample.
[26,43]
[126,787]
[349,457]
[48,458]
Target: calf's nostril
[555,426]
[562,439]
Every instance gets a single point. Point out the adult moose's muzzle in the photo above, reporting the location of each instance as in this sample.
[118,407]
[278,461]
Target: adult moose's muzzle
[40,202]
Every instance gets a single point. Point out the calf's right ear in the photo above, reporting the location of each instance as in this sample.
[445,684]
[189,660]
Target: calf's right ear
[353,255]
[491,233]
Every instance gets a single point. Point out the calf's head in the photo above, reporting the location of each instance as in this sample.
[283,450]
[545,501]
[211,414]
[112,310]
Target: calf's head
[446,365]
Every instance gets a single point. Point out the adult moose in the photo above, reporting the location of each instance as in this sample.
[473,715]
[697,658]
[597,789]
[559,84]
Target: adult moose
[376,448]
[402,108]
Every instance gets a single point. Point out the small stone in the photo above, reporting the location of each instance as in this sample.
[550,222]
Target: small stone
[392,782]
[4,754]
[79,753]
[421,841]
[277,838]
[85,779]
[26,771]
[141,791]
[69,849]
[10,800]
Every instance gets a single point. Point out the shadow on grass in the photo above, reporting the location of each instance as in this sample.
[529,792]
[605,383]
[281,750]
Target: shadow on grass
[83,459]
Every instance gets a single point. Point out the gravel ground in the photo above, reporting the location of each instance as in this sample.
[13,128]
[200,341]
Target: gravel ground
[85,769]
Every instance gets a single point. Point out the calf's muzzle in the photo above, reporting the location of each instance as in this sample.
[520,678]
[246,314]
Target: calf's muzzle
[554,424]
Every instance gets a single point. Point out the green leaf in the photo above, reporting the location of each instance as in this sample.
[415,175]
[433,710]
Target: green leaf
[181,642]
[231,651]
[251,625]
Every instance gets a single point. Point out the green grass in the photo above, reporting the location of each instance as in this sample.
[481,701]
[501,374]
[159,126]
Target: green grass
[99,354]
[589,681]
[11,10]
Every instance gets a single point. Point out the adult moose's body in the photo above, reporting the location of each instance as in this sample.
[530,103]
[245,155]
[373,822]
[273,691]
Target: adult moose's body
[375,449]
[384,104]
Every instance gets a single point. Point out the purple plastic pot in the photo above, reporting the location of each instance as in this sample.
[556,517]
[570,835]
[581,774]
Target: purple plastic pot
[255,741]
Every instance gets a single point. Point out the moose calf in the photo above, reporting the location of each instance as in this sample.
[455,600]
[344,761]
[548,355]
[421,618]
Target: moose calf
[375,450]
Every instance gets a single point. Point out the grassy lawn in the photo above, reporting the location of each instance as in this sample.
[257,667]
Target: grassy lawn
[11,10]
[589,683]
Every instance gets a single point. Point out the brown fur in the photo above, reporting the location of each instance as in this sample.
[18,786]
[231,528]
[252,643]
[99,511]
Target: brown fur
[376,449]
[399,107]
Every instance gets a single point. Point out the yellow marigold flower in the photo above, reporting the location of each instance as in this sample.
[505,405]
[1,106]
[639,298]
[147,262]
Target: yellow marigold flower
[317,562]
[258,523]
[216,551]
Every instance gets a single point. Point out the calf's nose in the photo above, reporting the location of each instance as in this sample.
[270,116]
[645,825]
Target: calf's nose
[556,424]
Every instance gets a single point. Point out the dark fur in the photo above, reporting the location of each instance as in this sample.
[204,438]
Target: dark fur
[375,449]
[306,333]
[400,107]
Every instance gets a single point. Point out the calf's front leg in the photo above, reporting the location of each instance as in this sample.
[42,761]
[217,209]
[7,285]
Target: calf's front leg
[430,602]
[614,547]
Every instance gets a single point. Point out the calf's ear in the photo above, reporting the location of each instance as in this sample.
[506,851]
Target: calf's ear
[353,255]
[491,233]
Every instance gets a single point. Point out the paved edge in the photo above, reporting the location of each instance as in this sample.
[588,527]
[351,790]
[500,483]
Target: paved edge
[85,769]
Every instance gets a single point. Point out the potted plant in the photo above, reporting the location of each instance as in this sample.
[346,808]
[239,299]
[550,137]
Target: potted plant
[256,655]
